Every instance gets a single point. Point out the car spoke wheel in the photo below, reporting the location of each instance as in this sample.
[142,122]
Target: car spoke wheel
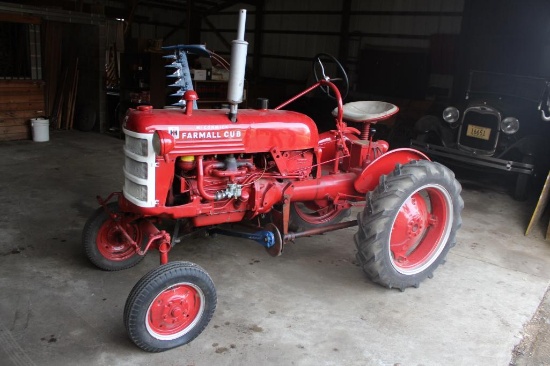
[104,243]
[409,224]
[170,306]
[314,214]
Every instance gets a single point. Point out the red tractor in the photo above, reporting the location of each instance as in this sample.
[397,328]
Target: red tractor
[266,175]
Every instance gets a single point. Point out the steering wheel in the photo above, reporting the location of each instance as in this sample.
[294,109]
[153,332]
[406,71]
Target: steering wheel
[322,63]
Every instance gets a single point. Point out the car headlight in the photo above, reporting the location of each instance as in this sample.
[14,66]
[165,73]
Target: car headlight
[509,125]
[451,114]
[162,142]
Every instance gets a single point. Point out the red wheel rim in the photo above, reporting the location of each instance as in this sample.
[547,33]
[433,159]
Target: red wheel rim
[421,229]
[113,245]
[175,311]
[316,212]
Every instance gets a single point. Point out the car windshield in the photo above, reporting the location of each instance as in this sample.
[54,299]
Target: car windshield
[518,86]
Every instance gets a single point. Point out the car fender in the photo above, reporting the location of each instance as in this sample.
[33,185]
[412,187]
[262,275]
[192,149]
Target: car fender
[530,145]
[432,128]
[385,164]
[427,123]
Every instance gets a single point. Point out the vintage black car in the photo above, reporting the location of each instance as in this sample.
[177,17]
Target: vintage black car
[501,126]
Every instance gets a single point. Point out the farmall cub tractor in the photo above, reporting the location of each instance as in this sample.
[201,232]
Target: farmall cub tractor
[273,174]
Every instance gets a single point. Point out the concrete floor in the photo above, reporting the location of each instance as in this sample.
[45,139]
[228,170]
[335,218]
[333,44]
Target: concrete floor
[311,306]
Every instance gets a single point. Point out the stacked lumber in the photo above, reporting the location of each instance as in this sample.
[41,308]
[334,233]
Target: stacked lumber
[20,100]
[62,114]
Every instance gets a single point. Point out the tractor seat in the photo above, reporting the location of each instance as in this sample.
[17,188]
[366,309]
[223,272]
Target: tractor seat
[367,111]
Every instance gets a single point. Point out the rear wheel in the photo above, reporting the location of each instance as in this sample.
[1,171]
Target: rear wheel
[409,224]
[170,306]
[314,214]
[104,243]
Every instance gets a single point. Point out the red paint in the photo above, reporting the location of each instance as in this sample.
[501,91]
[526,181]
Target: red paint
[383,165]
[115,240]
[174,310]
[166,142]
[418,231]
[211,132]
[190,96]
[213,171]
[318,212]
[144,108]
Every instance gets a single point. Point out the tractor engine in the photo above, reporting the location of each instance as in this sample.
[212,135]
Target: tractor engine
[197,164]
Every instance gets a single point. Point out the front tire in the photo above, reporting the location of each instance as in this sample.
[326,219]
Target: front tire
[170,306]
[409,224]
[105,245]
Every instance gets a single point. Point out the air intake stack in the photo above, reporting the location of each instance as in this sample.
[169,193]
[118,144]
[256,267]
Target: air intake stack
[239,48]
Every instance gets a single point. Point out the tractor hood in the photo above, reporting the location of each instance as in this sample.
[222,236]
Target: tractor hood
[209,131]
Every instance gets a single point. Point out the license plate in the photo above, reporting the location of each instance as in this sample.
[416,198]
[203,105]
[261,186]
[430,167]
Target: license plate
[478,132]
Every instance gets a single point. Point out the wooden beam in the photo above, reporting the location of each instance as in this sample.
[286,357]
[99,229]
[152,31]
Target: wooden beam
[21,135]
[15,115]
[25,106]
[16,18]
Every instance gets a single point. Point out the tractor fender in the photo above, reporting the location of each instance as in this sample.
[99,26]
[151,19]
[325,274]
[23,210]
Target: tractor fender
[383,165]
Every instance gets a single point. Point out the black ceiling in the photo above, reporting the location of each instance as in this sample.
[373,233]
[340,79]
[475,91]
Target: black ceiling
[126,8]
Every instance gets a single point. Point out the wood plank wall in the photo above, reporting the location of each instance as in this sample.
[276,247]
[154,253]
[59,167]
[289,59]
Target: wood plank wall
[20,100]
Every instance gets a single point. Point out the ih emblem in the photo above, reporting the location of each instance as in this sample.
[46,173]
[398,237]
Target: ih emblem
[174,131]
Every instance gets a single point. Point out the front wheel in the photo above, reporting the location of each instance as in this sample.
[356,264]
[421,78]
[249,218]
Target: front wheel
[409,224]
[105,244]
[170,306]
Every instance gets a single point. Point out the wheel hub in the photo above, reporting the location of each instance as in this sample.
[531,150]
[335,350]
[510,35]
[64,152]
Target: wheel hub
[112,244]
[410,227]
[418,230]
[174,310]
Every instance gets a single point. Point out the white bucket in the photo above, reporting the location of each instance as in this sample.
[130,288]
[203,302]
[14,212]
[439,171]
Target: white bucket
[40,129]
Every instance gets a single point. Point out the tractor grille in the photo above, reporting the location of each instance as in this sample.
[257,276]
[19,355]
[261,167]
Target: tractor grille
[138,191]
[136,146]
[139,169]
[479,130]
[135,168]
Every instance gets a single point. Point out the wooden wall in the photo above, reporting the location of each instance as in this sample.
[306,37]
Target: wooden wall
[20,100]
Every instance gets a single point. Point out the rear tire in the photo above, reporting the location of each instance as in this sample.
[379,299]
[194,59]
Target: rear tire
[409,224]
[169,306]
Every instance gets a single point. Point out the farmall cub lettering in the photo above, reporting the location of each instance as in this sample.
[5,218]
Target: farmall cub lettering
[204,133]
[271,175]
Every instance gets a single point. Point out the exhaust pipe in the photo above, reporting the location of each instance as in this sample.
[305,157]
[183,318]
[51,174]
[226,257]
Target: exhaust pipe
[239,49]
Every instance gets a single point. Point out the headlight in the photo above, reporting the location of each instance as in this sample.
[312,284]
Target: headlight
[451,114]
[163,142]
[509,125]
[156,143]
